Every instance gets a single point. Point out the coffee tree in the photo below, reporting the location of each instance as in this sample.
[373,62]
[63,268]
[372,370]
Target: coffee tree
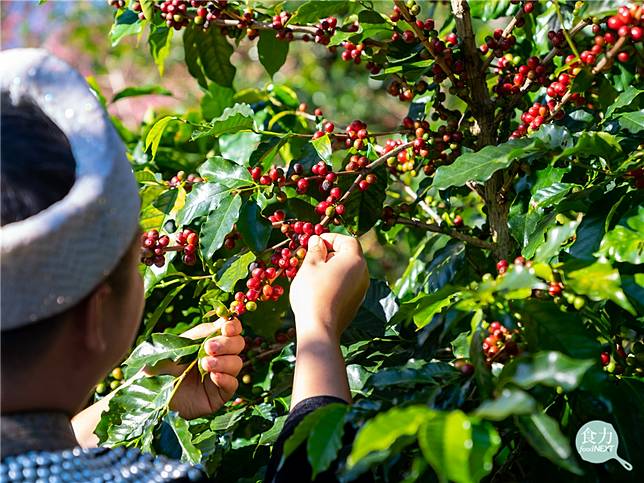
[512,188]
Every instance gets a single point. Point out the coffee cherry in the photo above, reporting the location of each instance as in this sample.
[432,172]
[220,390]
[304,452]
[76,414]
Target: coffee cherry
[604,357]
[458,221]
[502,266]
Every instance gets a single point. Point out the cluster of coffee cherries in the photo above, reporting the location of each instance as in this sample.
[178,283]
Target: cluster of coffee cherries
[352,52]
[501,343]
[357,135]
[154,246]
[188,240]
[404,92]
[626,24]
[297,231]
[499,44]
[511,80]
[274,175]
[118,4]
[261,287]
[111,382]
[187,181]
[175,13]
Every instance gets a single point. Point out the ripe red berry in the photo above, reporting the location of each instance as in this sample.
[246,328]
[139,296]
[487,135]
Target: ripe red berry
[623,57]
[605,358]
[502,266]
[458,220]
[363,185]
[302,185]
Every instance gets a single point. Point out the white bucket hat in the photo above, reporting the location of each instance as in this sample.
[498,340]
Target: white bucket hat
[49,262]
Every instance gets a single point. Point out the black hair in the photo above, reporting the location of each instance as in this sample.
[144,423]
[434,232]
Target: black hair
[37,169]
[37,163]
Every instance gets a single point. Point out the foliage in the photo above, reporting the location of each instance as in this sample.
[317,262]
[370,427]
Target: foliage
[457,374]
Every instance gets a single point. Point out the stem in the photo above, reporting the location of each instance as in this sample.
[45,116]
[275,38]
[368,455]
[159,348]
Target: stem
[370,167]
[178,382]
[409,18]
[506,31]
[425,207]
[477,242]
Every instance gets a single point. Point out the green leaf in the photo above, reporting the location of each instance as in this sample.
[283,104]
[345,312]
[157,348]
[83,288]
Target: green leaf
[599,281]
[363,208]
[147,7]
[233,119]
[253,227]
[153,137]
[203,198]
[593,143]
[207,55]
[481,165]
[181,429]
[627,99]
[215,100]
[544,435]
[548,329]
[322,146]
[272,51]
[234,270]
[555,238]
[325,438]
[218,224]
[161,347]
[221,171]
[625,243]
[151,320]
[549,368]
[510,402]
[582,81]
[135,411]
[375,312]
[433,304]
[431,373]
[632,121]
[381,432]
[140,91]
[459,449]
[126,23]
[160,40]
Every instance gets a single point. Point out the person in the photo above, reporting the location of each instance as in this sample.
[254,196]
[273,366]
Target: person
[72,296]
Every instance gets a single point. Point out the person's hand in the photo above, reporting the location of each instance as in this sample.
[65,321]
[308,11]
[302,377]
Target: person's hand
[329,286]
[196,398]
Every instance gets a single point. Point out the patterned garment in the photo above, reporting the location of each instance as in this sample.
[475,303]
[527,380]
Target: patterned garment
[41,447]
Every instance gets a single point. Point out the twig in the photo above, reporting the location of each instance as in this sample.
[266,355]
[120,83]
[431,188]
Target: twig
[370,167]
[477,242]
[426,208]
[409,18]
[506,31]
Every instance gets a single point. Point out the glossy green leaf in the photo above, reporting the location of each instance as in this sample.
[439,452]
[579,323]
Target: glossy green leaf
[431,373]
[481,165]
[458,448]
[160,347]
[599,281]
[181,429]
[141,91]
[322,146]
[544,435]
[207,55]
[551,368]
[594,143]
[126,23]
[272,51]
[233,119]
[253,227]
[159,41]
[218,224]
[509,403]
[362,208]
[325,439]
[234,270]
[625,242]
[631,97]
[632,121]
[153,138]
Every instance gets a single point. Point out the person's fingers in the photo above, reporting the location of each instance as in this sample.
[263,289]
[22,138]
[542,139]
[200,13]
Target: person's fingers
[228,364]
[316,251]
[222,345]
[202,331]
[342,243]
[226,383]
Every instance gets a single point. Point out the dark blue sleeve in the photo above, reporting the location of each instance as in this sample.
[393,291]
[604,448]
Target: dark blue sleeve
[296,467]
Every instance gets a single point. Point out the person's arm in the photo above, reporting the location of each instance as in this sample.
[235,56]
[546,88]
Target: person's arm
[194,398]
[325,296]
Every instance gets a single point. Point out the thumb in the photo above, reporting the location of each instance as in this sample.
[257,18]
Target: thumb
[315,251]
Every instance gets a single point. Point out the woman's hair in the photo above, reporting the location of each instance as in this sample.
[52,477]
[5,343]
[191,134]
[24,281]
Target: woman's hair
[37,170]
[38,167]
